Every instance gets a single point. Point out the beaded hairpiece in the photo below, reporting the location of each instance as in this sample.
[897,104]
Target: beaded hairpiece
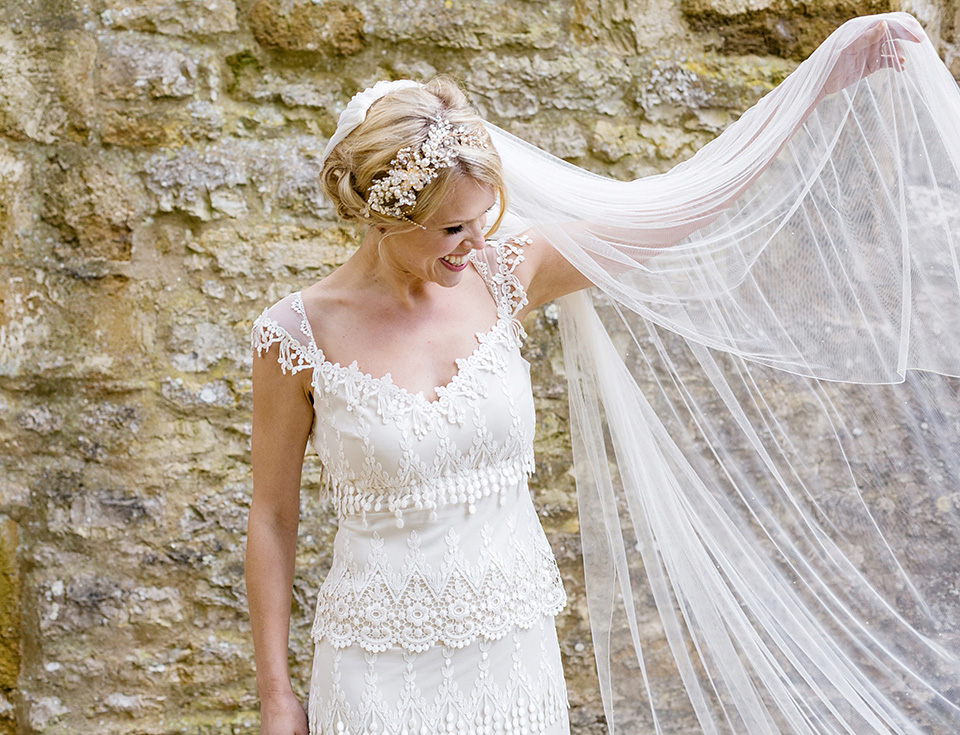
[411,170]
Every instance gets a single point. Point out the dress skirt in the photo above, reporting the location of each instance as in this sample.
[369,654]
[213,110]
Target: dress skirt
[511,685]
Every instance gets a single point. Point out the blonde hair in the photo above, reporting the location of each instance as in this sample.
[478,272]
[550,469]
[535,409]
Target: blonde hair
[398,120]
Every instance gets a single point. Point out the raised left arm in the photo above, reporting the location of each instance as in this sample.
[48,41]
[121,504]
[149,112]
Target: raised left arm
[547,275]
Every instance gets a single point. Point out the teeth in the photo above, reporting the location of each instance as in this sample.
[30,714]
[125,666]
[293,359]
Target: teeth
[457,260]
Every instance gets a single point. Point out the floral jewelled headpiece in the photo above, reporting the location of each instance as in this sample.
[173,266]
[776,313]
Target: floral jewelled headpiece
[412,170]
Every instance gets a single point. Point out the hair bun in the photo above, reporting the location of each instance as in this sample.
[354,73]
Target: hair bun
[402,118]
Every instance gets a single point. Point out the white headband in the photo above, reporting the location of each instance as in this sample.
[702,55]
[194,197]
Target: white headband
[356,110]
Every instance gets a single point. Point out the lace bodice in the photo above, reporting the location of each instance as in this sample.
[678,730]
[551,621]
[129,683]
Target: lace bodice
[384,448]
[438,540]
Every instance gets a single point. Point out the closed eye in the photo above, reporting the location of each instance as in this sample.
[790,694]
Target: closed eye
[458,228]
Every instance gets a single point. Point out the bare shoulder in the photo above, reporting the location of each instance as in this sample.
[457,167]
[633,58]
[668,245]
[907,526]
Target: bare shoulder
[329,309]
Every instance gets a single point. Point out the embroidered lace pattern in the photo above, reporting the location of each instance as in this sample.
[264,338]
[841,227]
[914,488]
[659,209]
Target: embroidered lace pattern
[528,697]
[455,473]
[504,284]
[294,355]
[418,604]
[436,615]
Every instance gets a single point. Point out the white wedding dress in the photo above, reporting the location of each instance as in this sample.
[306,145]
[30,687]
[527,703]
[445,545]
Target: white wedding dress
[437,615]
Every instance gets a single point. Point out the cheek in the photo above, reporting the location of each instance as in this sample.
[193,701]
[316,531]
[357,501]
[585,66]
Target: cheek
[445,244]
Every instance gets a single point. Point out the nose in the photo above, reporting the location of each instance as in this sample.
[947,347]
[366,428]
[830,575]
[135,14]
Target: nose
[475,234]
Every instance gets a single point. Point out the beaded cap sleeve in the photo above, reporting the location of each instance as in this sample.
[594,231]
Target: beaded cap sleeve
[285,324]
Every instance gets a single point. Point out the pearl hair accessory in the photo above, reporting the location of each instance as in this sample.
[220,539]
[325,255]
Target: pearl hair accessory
[411,170]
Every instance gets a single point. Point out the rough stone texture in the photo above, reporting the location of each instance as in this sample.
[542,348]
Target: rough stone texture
[45,85]
[330,27]
[476,25]
[10,604]
[774,26]
[628,26]
[174,18]
[158,165]
[343,28]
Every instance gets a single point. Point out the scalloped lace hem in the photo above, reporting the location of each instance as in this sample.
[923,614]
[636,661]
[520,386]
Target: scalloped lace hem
[515,686]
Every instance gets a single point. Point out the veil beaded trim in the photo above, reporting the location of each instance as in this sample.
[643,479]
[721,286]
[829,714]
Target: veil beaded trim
[761,402]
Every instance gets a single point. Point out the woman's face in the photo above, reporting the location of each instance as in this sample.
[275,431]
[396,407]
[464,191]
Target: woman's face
[439,253]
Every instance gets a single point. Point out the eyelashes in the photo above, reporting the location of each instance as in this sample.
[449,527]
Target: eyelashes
[459,228]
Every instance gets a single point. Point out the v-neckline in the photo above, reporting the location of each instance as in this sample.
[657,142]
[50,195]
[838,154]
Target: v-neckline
[385,380]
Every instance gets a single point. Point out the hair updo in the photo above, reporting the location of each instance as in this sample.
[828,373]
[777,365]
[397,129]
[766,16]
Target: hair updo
[398,120]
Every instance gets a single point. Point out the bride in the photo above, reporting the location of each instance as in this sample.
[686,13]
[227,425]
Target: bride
[781,285]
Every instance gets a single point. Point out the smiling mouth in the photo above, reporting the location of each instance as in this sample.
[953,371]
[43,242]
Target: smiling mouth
[455,260]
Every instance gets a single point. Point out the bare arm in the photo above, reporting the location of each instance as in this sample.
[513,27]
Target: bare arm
[282,416]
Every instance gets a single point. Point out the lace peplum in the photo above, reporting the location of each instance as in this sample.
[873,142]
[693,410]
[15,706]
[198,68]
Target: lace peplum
[441,577]
[417,600]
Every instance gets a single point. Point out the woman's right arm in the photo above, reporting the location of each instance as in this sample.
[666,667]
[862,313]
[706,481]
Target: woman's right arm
[282,417]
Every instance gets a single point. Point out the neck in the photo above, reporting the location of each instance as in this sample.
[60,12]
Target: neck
[370,273]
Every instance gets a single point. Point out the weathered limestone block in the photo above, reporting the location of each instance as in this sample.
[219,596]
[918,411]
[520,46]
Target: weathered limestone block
[331,27]
[14,491]
[73,57]
[41,420]
[630,150]
[45,91]
[171,17]
[951,21]
[479,24]
[87,601]
[65,326]
[44,711]
[293,253]
[198,122]
[27,111]
[189,395]
[679,90]
[94,201]
[225,180]
[628,26]
[522,86]
[16,182]
[23,326]
[321,98]
[134,68]
[341,28]
[10,606]
[781,27]
[103,512]
[565,139]
[950,35]
[197,345]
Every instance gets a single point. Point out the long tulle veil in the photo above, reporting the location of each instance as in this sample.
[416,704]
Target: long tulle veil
[759,407]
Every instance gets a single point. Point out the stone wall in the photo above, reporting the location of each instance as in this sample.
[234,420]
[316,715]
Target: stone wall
[157,190]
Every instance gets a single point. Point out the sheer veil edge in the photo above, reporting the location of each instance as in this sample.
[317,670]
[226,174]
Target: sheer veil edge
[766,433]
